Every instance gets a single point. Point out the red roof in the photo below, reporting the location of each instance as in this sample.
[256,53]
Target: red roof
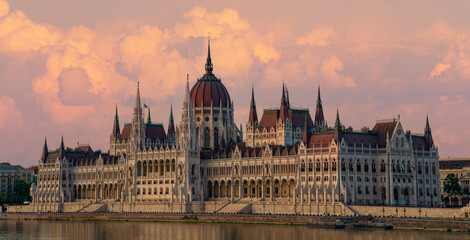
[382,129]
[155,131]
[297,116]
[207,90]
[320,139]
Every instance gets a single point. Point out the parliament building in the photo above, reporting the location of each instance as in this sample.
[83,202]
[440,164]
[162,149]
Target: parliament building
[285,161]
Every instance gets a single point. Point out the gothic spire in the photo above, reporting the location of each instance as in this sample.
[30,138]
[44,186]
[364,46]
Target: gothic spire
[284,110]
[116,130]
[428,134]
[45,151]
[319,117]
[137,97]
[338,134]
[62,148]
[149,120]
[427,128]
[209,66]
[338,122]
[187,98]
[253,115]
[171,123]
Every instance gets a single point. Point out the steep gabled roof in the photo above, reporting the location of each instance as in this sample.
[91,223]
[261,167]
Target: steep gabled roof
[382,129]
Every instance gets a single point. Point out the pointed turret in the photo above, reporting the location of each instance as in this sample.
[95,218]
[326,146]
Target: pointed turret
[149,119]
[62,148]
[253,118]
[319,117]
[45,151]
[171,128]
[428,134]
[338,135]
[284,110]
[116,130]
[209,66]
[171,122]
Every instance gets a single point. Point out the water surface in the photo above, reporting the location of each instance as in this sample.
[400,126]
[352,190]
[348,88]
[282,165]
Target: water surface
[31,229]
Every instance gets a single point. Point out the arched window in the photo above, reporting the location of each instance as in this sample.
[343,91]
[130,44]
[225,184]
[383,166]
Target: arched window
[325,166]
[207,138]
[358,168]
[366,166]
[318,166]
[216,137]
[333,165]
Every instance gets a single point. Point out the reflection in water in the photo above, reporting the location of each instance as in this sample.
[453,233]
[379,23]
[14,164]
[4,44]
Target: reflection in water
[195,231]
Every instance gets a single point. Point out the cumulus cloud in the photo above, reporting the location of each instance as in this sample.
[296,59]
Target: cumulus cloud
[75,86]
[331,68]
[439,69]
[319,36]
[10,115]
[4,8]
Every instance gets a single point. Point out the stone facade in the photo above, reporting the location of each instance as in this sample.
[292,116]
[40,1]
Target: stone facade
[460,167]
[287,162]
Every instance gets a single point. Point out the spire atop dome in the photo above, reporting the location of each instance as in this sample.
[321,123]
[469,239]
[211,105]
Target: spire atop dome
[209,66]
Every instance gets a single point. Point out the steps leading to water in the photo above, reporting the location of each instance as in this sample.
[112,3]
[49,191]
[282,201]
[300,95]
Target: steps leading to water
[236,208]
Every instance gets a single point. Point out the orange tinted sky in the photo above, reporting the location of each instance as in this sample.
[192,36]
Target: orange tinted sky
[65,64]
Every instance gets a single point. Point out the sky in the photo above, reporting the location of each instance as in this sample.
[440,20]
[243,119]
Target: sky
[65,65]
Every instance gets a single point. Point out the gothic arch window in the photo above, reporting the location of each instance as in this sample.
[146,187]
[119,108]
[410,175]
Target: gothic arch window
[207,137]
[216,137]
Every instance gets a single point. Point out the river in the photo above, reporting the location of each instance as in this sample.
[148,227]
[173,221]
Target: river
[33,229]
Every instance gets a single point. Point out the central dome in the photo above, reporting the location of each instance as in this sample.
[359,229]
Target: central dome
[209,89]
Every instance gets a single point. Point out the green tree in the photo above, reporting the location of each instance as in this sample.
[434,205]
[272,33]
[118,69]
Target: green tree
[452,186]
[21,191]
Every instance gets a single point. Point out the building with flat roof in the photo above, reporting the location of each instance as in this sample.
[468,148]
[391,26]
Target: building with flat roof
[460,167]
